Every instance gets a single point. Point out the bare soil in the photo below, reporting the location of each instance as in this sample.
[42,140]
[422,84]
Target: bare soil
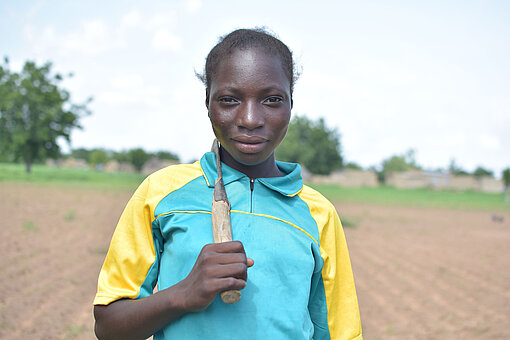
[420,273]
[430,273]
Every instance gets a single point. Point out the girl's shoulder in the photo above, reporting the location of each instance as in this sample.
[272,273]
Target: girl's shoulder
[176,173]
[168,179]
[315,200]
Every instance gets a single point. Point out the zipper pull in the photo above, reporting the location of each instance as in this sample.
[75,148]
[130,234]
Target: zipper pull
[252,183]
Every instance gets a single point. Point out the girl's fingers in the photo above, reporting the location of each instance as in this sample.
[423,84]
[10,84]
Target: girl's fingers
[236,270]
[226,247]
[229,283]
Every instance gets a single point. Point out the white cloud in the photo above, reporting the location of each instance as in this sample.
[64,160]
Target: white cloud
[160,27]
[131,19]
[116,98]
[489,142]
[193,6]
[164,40]
[127,81]
[92,38]
[162,20]
[127,90]
[35,9]
[16,64]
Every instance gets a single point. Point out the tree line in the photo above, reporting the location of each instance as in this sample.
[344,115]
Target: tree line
[407,162]
[136,156]
[318,149]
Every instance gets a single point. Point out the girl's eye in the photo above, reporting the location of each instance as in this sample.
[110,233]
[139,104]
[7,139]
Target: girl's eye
[273,99]
[227,100]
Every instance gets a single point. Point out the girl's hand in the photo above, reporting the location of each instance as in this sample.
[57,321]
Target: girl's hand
[219,267]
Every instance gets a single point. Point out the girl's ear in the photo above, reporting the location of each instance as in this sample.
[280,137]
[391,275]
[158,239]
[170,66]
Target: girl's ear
[291,103]
[207,98]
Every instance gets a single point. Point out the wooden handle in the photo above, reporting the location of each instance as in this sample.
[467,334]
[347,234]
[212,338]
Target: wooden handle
[222,230]
[231,296]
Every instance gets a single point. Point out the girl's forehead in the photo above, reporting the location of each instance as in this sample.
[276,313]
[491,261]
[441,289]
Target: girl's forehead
[253,65]
[253,57]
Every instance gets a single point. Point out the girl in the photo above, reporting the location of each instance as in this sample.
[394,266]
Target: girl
[289,259]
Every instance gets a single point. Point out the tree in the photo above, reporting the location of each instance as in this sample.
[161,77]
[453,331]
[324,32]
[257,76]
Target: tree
[312,144]
[121,156]
[481,172]
[98,156]
[400,163]
[138,157]
[167,155]
[81,153]
[456,170]
[506,177]
[353,166]
[506,181]
[34,112]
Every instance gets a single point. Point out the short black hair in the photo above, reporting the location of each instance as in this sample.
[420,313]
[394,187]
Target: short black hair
[243,39]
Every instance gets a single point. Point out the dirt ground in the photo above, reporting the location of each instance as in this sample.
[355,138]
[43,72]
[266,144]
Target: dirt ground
[420,273]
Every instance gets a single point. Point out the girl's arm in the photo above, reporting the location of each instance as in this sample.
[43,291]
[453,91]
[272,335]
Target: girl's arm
[219,267]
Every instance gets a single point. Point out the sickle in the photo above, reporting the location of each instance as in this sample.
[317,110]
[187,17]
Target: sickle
[220,212]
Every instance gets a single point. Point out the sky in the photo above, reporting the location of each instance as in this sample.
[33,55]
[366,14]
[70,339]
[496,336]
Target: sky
[390,76]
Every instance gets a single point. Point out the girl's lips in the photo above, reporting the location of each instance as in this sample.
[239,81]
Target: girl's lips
[247,139]
[250,146]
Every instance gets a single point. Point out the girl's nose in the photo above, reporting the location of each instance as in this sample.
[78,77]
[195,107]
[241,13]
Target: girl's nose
[251,115]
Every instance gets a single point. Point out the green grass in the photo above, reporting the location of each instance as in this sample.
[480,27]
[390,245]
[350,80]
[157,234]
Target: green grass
[385,195]
[72,331]
[30,226]
[42,174]
[70,216]
[349,222]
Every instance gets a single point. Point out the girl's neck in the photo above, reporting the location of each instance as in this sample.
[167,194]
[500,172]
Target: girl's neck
[267,168]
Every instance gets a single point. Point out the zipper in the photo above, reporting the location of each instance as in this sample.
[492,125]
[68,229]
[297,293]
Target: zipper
[252,185]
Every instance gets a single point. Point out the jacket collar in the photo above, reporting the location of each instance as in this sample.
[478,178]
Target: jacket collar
[288,185]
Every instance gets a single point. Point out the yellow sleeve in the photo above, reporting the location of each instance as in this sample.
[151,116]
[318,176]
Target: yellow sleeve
[335,282]
[131,259]
[341,300]
[131,267]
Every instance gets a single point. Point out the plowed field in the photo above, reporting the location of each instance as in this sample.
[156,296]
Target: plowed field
[420,273]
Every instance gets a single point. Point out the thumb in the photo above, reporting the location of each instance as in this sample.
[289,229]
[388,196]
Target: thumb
[249,262]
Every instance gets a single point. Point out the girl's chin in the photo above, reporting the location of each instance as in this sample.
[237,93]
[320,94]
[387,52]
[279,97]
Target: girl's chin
[250,159]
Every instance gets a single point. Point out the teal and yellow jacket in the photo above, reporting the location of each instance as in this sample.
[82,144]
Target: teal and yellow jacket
[301,286]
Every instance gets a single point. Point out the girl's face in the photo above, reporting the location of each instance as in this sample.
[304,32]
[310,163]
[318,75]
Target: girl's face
[249,105]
